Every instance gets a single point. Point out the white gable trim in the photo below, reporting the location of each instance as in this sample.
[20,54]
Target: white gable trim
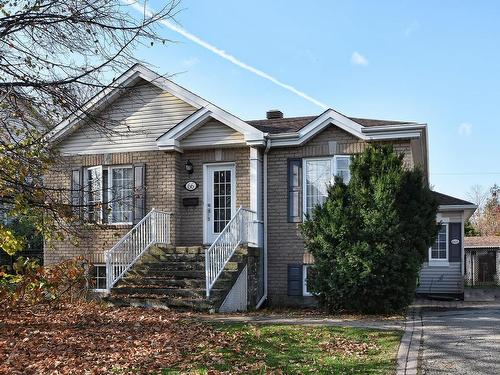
[173,136]
[330,117]
[127,79]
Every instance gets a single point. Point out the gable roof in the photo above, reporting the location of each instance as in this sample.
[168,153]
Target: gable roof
[129,79]
[276,132]
[170,140]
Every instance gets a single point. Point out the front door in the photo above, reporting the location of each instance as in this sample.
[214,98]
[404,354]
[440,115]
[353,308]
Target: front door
[219,200]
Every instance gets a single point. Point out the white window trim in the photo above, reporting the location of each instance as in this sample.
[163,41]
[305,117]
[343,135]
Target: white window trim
[333,171]
[304,179]
[442,262]
[305,292]
[105,277]
[86,186]
[109,169]
[110,192]
[335,158]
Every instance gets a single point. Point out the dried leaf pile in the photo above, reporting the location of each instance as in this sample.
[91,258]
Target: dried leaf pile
[89,338]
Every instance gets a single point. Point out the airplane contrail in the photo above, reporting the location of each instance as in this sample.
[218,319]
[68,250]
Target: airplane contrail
[226,56]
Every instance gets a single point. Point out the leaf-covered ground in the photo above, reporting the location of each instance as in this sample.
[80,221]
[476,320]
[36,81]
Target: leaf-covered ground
[94,339]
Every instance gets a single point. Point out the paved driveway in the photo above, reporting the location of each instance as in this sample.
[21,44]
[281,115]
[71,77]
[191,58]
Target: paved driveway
[461,339]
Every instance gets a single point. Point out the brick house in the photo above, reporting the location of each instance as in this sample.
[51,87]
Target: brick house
[185,204]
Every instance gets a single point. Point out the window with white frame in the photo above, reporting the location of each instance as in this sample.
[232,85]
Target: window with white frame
[93,193]
[307,275]
[121,188]
[98,277]
[438,253]
[319,174]
[108,194]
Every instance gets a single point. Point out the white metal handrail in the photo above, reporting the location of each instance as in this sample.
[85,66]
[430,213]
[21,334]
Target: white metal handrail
[154,228]
[241,229]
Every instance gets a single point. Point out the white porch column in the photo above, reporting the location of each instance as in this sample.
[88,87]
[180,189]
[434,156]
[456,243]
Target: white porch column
[256,189]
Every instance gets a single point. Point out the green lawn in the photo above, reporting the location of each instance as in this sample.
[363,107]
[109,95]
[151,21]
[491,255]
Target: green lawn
[287,349]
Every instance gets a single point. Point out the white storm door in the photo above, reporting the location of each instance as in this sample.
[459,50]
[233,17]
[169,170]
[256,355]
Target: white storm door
[220,198]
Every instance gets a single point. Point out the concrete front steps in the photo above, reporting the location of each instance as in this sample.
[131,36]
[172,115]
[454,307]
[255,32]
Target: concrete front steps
[174,277]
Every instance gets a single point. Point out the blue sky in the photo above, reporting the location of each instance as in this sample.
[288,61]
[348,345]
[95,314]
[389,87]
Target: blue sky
[426,61]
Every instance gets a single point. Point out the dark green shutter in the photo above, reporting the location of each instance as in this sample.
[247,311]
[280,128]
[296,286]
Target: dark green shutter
[455,233]
[139,192]
[77,191]
[295,279]
[294,190]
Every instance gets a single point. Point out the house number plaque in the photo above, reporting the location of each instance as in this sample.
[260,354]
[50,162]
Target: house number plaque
[455,241]
[190,185]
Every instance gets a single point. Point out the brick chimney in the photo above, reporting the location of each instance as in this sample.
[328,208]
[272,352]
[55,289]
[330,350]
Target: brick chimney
[274,113]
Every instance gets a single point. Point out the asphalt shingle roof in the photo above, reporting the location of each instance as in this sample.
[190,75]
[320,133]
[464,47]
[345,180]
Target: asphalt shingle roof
[448,200]
[484,241]
[293,124]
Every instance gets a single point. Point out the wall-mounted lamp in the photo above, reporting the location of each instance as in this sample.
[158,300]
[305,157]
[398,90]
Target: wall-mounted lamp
[189,167]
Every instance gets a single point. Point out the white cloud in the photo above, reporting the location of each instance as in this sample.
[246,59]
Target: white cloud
[358,59]
[189,63]
[225,55]
[465,129]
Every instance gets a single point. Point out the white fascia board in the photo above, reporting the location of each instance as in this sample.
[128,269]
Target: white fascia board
[380,136]
[170,144]
[364,133]
[326,118]
[294,139]
[467,209]
[385,128]
[197,119]
[183,128]
[235,123]
[255,142]
[171,87]
[457,207]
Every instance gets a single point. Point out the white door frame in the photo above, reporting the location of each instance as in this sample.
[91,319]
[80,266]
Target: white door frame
[208,235]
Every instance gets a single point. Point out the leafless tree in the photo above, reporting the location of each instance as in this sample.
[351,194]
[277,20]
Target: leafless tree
[477,194]
[54,56]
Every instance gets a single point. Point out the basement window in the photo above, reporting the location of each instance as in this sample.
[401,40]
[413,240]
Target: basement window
[308,275]
[98,277]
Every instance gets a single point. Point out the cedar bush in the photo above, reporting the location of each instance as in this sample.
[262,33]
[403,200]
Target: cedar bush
[371,236]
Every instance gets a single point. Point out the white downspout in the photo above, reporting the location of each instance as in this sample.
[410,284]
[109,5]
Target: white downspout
[264,297]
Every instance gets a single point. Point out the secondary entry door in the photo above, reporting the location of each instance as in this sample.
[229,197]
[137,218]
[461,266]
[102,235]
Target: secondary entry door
[220,198]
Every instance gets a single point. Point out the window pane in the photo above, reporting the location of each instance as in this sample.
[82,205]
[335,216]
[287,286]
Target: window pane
[342,164]
[92,193]
[318,177]
[440,246]
[121,195]
[221,199]
[98,277]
